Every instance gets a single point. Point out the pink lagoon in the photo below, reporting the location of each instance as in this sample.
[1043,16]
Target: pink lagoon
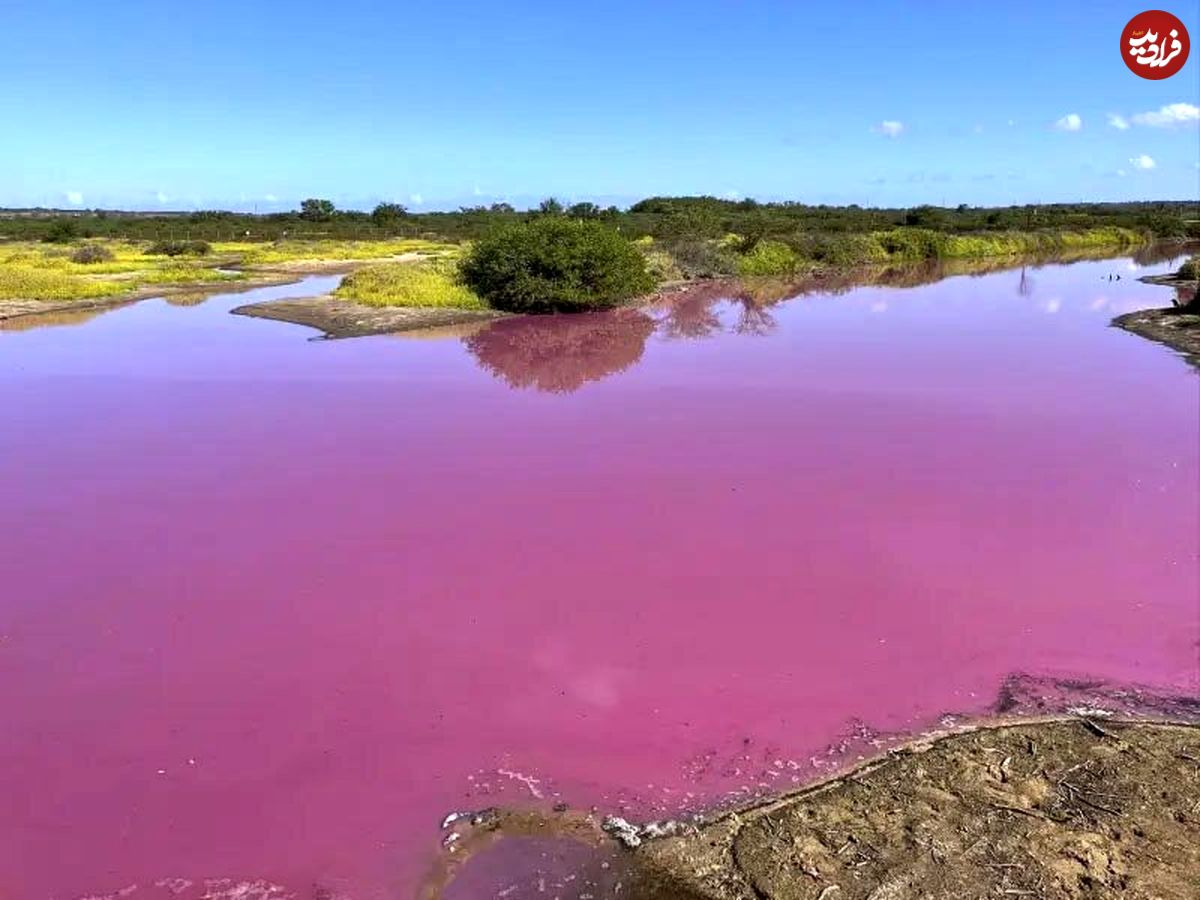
[273,606]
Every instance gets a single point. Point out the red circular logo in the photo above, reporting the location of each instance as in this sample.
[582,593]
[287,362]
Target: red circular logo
[1155,44]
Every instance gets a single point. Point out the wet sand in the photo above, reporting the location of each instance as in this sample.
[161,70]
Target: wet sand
[337,318]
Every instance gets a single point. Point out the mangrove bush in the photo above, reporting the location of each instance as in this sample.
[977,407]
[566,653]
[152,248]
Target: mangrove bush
[555,264]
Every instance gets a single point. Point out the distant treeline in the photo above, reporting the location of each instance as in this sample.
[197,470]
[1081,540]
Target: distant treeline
[658,217]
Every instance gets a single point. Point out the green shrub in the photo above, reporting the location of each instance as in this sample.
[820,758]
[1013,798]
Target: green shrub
[1190,269]
[912,243]
[553,263]
[316,210]
[90,254]
[179,248]
[386,215]
[61,231]
[701,258]
[661,265]
[841,249]
[769,258]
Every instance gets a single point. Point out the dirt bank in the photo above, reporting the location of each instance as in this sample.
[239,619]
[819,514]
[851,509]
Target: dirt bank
[1174,327]
[1084,806]
[1063,809]
[1177,326]
[341,319]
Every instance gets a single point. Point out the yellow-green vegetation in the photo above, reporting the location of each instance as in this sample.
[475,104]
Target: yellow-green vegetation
[429,284]
[107,268]
[1190,269]
[24,282]
[285,251]
[907,244]
[54,272]
[182,273]
[768,258]
[1016,243]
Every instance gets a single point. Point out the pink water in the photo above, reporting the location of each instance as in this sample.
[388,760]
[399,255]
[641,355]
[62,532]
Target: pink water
[271,606]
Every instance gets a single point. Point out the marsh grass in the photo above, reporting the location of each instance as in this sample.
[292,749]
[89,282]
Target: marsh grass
[907,245]
[23,282]
[53,273]
[257,254]
[417,284]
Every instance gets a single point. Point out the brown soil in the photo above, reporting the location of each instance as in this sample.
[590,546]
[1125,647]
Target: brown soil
[341,319]
[1176,328]
[1062,809]
[1069,808]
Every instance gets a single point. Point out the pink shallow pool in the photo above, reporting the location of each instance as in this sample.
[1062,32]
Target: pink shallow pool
[271,607]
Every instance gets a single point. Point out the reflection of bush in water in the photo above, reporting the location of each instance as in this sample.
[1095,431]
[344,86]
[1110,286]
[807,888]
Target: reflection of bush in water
[561,353]
[693,311]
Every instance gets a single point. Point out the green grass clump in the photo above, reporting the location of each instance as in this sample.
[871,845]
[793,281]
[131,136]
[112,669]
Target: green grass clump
[768,258]
[1190,269]
[409,284]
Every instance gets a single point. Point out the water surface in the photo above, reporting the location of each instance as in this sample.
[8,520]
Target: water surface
[273,606]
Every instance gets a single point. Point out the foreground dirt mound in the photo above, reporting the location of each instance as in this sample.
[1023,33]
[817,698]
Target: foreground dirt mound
[1075,809]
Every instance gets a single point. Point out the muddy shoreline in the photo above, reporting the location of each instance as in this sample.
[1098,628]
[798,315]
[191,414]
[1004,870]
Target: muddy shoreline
[336,318]
[1076,806]
[1070,788]
[1176,327]
[1068,808]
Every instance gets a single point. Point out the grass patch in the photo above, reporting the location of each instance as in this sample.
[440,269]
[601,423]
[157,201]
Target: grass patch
[22,282]
[258,254]
[409,284]
[185,274]
[55,272]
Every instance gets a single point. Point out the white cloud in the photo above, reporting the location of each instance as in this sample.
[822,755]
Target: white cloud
[75,198]
[271,198]
[1169,116]
[477,191]
[1118,122]
[1142,162]
[732,195]
[416,199]
[1121,172]
[162,198]
[1069,122]
[889,128]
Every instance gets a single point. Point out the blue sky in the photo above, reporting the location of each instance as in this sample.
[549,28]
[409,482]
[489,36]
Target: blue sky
[256,105]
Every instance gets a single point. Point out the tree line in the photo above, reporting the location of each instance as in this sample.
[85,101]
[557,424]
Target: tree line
[700,217]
